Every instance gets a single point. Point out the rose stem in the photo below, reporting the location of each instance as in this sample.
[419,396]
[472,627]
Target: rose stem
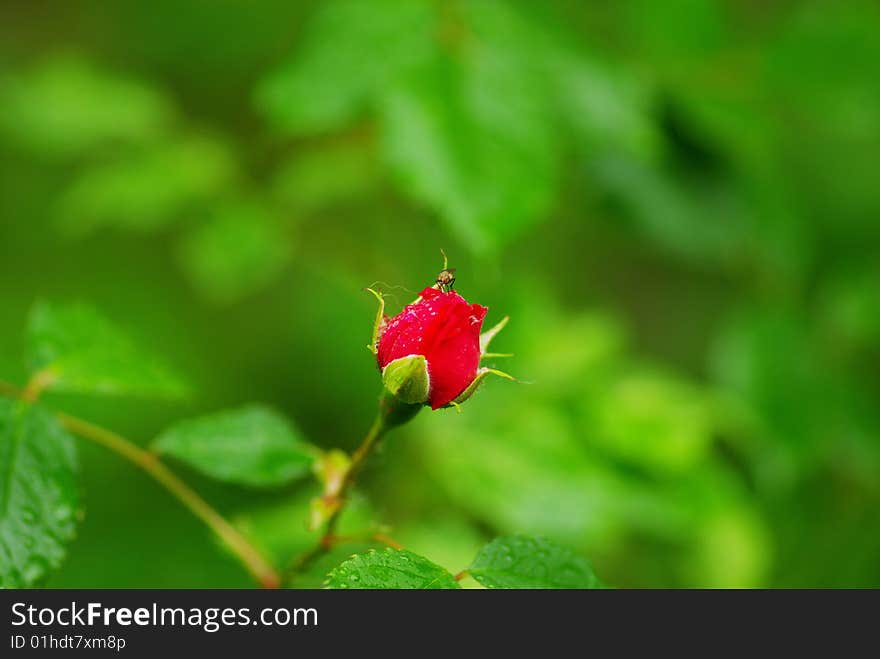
[392,412]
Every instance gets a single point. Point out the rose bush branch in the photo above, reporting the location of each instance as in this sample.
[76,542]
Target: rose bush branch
[327,509]
[266,575]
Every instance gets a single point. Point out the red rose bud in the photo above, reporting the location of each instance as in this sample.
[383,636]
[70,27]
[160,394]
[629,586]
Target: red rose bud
[430,352]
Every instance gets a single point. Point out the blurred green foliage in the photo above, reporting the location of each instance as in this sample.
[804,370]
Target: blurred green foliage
[676,202]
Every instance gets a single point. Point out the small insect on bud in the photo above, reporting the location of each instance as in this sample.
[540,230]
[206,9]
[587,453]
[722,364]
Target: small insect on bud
[430,352]
[446,280]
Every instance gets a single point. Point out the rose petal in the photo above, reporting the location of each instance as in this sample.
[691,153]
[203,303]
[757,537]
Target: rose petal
[405,333]
[454,358]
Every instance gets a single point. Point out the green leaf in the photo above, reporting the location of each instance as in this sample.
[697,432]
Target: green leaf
[484,158]
[239,250]
[38,495]
[145,189]
[251,446]
[652,419]
[470,98]
[349,50]
[465,123]
[518,561]
[82,352]
[67,106]
[473,134]
[390,568]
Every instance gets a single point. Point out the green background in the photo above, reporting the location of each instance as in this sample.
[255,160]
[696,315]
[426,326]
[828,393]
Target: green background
[676,202]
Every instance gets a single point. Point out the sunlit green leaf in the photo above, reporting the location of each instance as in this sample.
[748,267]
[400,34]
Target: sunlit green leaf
[653,420]
[730,549]
[38,494]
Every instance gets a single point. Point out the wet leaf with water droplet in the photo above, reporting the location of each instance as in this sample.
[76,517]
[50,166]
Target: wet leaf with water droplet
[38,494]
[392,569]
[524,562]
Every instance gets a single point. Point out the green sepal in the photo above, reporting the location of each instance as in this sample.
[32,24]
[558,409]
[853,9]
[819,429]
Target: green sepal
[473,386]
[487,336]
[379,325]
[407,378]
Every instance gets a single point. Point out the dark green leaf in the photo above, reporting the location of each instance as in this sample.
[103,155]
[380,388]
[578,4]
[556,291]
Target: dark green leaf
[522,562]
[84,353]
[390,568]
[38,496]
[251,446]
